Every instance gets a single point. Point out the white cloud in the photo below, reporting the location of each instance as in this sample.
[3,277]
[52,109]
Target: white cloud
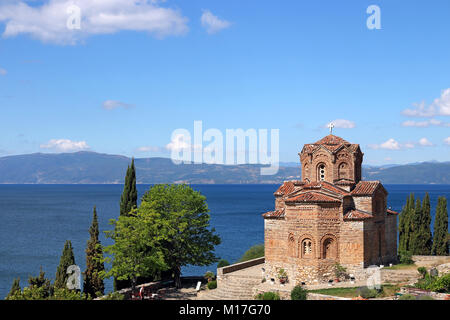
[212,23]
[49,22]
[392,144]
[3,72]
[182,142]
[65,145]
[114,104]
[426,123]
[447,141]
[342,124]
[425,142]
[439,107]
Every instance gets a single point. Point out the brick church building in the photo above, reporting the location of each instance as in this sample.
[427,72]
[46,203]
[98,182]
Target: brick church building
[331,216]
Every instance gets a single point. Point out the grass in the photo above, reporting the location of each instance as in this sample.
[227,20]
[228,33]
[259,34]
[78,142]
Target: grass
[401,267]
[388,290]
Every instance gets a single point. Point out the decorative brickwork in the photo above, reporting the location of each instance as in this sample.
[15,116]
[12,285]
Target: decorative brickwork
[330,217]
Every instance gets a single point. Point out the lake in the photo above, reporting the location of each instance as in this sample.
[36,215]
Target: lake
[36,220]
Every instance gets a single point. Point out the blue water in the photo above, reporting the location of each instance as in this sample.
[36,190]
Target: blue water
[36,220]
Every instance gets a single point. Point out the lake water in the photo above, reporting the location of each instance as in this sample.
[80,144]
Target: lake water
[36,220]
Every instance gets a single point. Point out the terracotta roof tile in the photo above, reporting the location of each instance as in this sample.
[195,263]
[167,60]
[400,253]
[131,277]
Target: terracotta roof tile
[365,188]
[286,188]
[309,197]
[357,215]
[332,140]
[389,211]
[327,186]
[278,214]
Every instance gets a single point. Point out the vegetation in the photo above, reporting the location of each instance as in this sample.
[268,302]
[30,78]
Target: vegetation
[340,272]
[421,238]
[434,283]
[128,201]
[209,276]
[14,288]
[367,293]
[386,290]
[440,237]
[256,251]
[222,263]
[67,259]
[93,281]
[114,296]
[169,230]
[212,284]
[268,296]
[299,293]
[407,297]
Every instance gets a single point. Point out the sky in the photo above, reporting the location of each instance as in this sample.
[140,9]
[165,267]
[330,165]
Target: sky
[128,73]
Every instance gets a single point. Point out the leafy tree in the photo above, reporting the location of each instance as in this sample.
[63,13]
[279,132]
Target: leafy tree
[128,201]
[93,282]
[67,259]
[136,248]
[256,251]
[440,236]
[14,289]
[39,288]
[181,215]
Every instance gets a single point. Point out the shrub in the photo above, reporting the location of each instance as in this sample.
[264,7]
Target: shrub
[299,293]
[254,252]
[441,284]
[367,293]
[268,296]
[407,297]
[340,271]
[405,258]
[212,285]
[423,271]
[209,276]
[114,296]
[223,263]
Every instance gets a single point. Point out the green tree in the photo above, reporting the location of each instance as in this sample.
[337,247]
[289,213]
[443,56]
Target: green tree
[14,288]
[136,251]
[440,235]
[421,238]
[128,200]
[67,259]
[256,251]
[416,220]
[405,225]
[181,215]
[93,282]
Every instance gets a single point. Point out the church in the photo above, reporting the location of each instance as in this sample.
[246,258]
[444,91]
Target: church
[330,217]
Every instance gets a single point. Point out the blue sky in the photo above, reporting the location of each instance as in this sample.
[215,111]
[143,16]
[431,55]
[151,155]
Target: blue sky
[122,86]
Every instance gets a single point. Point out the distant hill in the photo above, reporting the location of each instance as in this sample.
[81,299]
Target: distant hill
[96,168]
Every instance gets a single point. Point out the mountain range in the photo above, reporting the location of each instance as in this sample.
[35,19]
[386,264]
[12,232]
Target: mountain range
[96,168]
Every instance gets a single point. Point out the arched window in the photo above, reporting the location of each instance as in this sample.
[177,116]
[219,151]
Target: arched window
[329,249]
[321,172]
[343,171]
[307,248]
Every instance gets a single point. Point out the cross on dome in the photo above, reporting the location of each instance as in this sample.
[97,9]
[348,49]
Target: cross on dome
[331,126]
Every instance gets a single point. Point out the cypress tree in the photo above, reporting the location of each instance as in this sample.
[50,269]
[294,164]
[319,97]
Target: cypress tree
[67,259]
[416,220]
[128,200]
[15,287]
[405,225]
[440,237]
[93,281]
[425,234]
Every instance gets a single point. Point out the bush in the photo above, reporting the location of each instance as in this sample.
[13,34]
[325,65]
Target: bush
[367,293]
[405,258]
[223,263]
[209,276]
[268,296]
[423,271]
[441,284]
[254,252]
[407,297]
[212,285]
[299,293]
[114,296]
